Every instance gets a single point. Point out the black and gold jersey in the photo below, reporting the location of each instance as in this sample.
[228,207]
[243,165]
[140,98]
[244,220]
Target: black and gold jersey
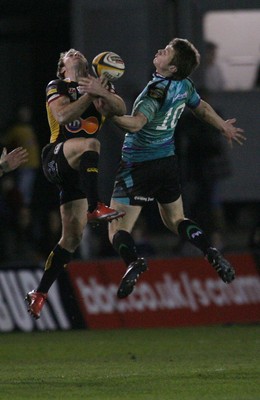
[87,125]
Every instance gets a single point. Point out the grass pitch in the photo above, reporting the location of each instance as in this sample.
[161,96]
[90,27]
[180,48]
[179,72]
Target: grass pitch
[211,363]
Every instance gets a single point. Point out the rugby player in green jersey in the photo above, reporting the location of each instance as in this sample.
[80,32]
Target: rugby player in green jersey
[149,166]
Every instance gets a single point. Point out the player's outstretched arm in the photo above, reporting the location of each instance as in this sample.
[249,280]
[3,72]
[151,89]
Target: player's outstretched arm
[12,160]
[131,123]
[205,112]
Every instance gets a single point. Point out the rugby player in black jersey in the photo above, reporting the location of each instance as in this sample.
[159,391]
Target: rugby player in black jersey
[77,105]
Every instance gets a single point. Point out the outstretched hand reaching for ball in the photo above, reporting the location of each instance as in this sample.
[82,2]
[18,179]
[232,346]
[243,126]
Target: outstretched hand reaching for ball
[231,132]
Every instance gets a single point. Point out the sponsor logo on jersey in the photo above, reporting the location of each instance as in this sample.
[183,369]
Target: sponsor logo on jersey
[142,198]
[90,125]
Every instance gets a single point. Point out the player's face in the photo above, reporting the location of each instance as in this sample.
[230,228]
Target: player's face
[73,57]
[162,60]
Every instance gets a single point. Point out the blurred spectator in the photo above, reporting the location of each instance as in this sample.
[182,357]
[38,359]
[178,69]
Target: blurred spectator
[21,133]
[204,162]
[213,75]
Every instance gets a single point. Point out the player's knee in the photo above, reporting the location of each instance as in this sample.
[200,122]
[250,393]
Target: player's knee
[92,145]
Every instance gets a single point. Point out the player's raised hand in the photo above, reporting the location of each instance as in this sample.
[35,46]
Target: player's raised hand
[90,85]
[231,132]
[12,160]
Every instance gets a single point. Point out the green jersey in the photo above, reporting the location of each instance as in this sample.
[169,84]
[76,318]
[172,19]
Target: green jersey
[162,102]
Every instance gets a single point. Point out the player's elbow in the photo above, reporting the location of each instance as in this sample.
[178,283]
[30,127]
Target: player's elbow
[138,123]
[62,119]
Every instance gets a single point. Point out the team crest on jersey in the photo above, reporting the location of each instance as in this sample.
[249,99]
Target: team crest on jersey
[73,93]
[156,93]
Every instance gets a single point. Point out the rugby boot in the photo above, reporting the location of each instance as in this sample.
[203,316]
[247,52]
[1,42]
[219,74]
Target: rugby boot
[135,269]
[36,301]
[103,213]
[221,265]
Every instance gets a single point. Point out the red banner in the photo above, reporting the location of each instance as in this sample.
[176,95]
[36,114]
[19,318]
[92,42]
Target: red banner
[173,292]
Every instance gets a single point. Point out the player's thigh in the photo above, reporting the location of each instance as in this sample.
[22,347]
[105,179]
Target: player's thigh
[127,222]
[172,214]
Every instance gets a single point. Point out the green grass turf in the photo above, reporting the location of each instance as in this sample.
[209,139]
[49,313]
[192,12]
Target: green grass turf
[156,364]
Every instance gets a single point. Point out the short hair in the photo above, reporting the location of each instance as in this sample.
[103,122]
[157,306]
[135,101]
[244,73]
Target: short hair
[60,74]
[186,58]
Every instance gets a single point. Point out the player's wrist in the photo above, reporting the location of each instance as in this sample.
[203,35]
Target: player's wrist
[4,167]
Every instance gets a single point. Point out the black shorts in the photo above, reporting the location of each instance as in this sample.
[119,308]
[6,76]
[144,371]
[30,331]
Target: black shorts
[141,183]
[58,171]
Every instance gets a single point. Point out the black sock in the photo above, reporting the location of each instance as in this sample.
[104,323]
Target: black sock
[190,231]
[89,177]
[54,265]
[124,244]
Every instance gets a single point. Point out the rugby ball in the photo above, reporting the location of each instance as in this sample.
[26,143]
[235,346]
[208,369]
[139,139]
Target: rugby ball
[109,65]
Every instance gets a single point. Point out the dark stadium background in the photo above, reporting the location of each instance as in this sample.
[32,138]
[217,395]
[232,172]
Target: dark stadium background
[32,34]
